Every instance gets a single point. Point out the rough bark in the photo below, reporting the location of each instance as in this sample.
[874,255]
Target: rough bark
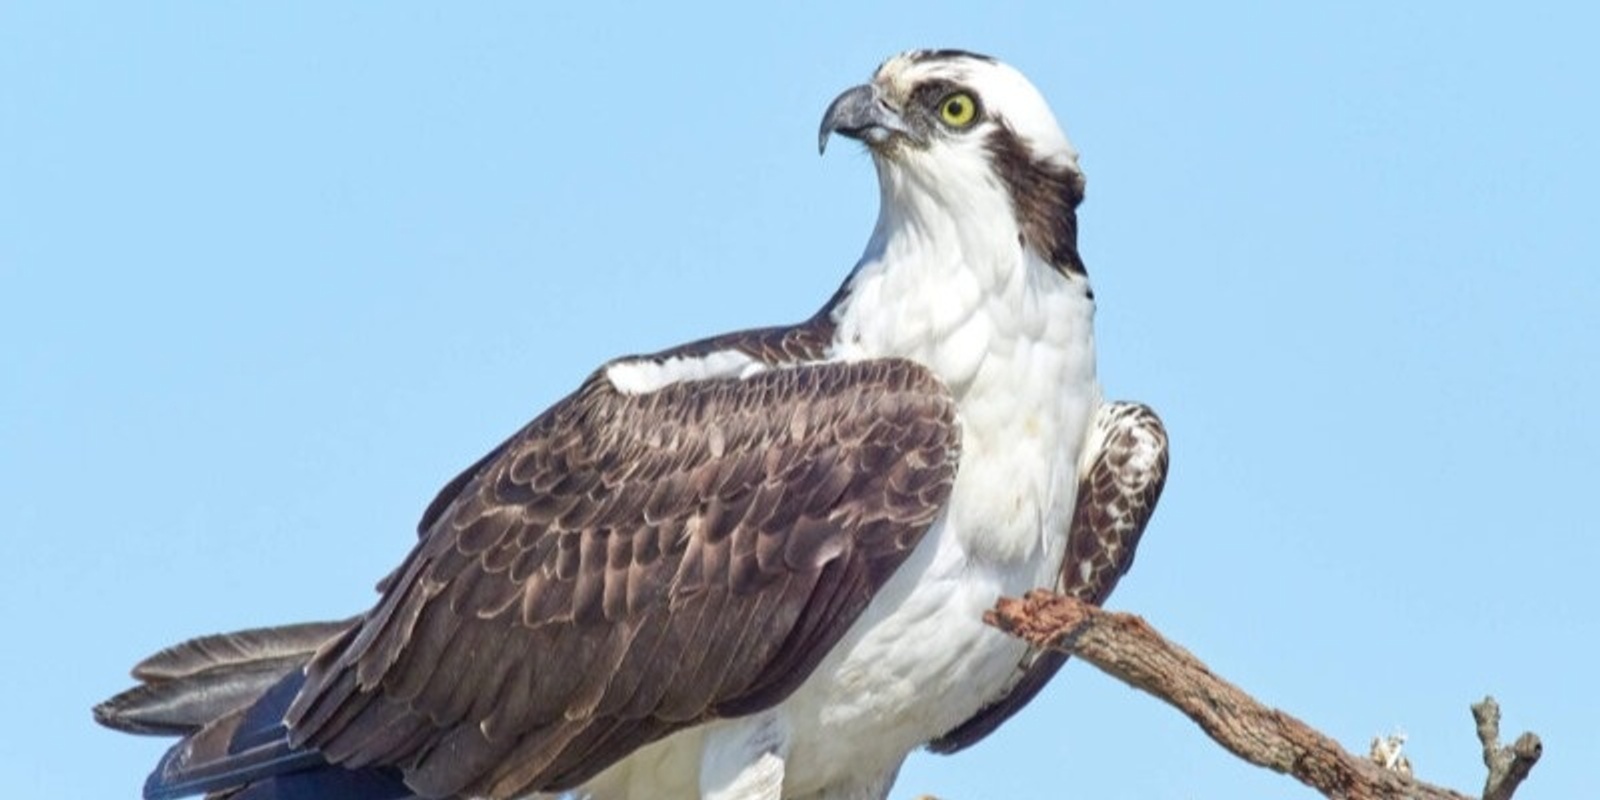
[1127,648]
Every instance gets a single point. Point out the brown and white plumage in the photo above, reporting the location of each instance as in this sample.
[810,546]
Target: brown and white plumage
[752,567]
[1125,468]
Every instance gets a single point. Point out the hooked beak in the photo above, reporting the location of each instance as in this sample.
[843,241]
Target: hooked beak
[861,113]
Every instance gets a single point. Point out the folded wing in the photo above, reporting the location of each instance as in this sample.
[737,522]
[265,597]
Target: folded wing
[630,565]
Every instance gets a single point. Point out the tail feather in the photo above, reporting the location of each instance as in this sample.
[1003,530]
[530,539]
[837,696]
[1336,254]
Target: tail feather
[208,653]
[328,782]
[226,695]
[188,685]
[244,745]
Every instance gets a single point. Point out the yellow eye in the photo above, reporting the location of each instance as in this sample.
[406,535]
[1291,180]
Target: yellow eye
[958,110]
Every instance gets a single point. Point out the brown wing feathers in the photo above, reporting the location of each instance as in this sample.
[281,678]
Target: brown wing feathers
[631,564]
[1118,494]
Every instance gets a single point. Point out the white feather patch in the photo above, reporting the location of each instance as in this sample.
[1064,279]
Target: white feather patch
[643,375]
[744,759]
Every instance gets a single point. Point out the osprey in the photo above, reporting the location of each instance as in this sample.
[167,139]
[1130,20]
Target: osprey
[752,567]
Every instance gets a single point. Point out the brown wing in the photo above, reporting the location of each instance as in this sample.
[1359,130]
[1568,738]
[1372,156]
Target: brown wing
[1117,494]
[630,565]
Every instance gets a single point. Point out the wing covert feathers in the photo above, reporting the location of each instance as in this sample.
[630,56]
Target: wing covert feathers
[628,565]
[1117,495]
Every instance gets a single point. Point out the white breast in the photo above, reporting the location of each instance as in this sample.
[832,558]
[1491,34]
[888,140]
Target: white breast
[920,660]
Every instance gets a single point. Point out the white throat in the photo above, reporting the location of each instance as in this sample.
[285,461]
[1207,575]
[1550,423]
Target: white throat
[948,280]
[949,284]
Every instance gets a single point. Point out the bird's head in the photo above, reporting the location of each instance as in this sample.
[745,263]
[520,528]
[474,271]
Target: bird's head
[958,131]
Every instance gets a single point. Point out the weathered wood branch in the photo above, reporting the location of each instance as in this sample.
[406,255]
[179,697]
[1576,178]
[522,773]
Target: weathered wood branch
[1127,648]
[1507,765]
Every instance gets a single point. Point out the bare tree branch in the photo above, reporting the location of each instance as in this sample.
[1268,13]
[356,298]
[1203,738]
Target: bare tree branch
[1127,648]
[1507,765]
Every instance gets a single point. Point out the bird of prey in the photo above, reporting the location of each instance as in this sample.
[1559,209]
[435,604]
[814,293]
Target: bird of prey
[753,567]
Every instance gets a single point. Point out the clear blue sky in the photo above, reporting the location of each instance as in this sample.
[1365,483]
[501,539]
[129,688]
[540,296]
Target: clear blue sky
[271,273]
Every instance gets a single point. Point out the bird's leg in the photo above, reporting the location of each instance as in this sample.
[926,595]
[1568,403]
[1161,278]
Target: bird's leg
[870,787]
[743,759]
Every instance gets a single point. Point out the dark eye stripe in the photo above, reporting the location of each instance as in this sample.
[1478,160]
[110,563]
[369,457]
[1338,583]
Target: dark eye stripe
[928,95]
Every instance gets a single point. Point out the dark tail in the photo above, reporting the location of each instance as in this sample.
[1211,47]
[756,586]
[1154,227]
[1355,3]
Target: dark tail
[226,696]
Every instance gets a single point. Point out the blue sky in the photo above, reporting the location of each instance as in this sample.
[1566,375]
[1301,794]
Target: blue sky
[271,273]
